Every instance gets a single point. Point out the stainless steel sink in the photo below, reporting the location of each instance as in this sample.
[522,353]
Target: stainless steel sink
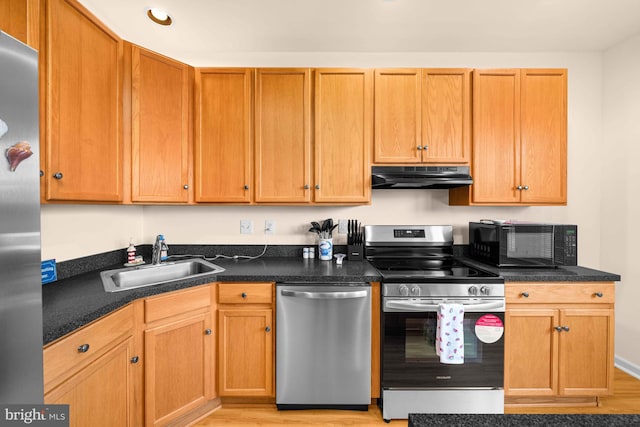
[123,279]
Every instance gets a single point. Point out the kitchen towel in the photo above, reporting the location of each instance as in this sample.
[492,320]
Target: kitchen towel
[450,334]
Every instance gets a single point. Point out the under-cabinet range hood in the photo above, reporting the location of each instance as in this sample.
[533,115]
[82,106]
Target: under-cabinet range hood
[434,177]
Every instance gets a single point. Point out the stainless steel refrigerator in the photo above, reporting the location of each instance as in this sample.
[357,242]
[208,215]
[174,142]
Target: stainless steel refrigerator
[20,276]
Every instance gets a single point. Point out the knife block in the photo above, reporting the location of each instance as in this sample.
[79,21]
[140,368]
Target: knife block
[355,252]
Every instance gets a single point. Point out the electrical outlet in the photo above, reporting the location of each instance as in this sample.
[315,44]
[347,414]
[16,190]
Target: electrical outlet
[269,226]
[246,226]
[343,226]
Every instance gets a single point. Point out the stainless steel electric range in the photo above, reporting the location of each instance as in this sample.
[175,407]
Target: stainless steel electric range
[420,276]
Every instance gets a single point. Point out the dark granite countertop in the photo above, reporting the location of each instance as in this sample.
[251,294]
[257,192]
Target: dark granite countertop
[558,274]
[79,297]
[524,420]
[75,301]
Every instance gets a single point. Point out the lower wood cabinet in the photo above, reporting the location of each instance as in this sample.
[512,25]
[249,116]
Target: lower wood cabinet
[559,340]
[179,345]
[94,370]
[246,340]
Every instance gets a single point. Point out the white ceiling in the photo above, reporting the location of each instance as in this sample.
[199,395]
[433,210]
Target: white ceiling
[204,28]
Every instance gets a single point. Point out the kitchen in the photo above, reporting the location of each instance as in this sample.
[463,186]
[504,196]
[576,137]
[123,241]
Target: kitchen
[600,93]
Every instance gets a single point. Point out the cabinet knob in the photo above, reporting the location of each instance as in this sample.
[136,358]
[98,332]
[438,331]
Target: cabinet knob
[58,175]
[558,328]
[519,187]
[83,348]
[246,187]
[565,328]
[135,359]
[317,186]
[306,186]
[186,186]
[525,294]
[208,332]
[243,295]
[419,147]
[599,294]
[526,187]
[41,173]
[268,329]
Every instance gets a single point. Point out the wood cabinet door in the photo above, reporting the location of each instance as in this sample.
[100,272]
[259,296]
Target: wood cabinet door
[544,136]
[102,394]
[531,344]
[245,352]
[20,19]
[223,135]
[283,135]
[496,136]
[397,137]
[586,352]
[343,135]
[446,115]
[178,368]
[160,140]
[84,64]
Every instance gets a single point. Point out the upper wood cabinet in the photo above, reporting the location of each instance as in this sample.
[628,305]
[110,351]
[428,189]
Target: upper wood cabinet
[422,116]
[343,135]
[84,146]
[519,138]
[160,127]
[20,19]
[283,135]
[223,135]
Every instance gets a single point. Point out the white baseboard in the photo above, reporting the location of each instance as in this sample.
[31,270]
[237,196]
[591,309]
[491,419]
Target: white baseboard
[628,367]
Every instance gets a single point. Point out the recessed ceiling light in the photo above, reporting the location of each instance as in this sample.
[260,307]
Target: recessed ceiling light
[159,16]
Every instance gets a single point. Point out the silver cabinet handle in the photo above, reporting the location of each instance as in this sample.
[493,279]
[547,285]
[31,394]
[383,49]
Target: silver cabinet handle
[526,187]
[317,186]
[135,359]
[306,186]
[599,294]
[58,175]
[565,328]
[419,147]
[83,348]
[558,328]
[186,187]
[246,187]
[243,295]
[208,332]
[268,329]
[525,294]
[324,295]
[519,187]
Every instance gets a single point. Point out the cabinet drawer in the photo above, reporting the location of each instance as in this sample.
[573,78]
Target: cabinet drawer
[75,351]
[175,303]
[575,292]
[245,293]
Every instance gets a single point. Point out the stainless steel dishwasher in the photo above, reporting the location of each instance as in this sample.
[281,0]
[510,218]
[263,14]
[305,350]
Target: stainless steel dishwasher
[323,346]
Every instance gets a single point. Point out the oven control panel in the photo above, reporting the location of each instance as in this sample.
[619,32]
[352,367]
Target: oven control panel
[406,232]
[412,290]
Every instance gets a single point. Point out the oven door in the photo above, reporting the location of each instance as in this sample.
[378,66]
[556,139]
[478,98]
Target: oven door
[409,358]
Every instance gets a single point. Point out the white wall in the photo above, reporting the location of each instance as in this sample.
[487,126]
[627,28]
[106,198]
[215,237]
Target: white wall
[620,205]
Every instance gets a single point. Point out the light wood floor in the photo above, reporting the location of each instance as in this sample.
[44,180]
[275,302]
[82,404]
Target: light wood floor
[626,400]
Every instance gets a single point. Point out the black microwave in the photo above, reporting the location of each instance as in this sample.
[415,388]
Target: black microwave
[520,244]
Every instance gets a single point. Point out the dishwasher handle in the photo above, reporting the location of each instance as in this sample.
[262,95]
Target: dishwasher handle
[324,295]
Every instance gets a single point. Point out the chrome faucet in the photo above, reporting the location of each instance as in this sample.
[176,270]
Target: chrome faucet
[160,248]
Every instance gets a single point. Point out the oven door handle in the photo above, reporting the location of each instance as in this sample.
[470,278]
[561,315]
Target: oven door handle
[415,306]
[324,295]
